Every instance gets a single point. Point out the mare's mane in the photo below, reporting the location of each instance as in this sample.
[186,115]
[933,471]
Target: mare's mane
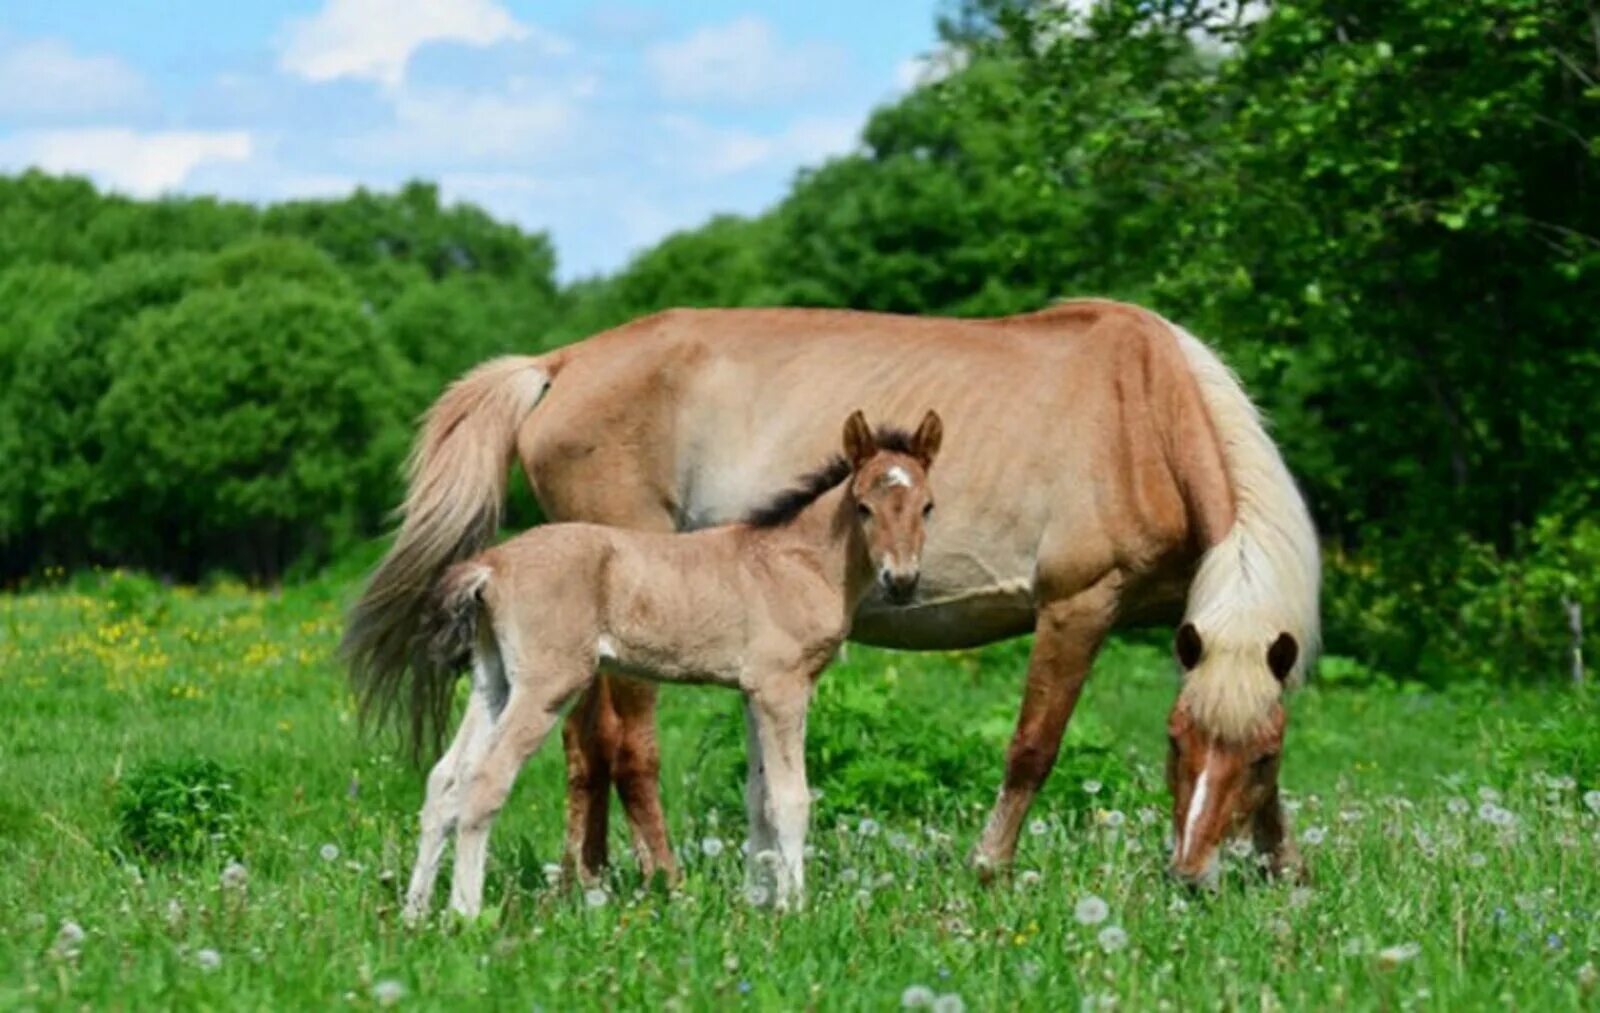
[787,505]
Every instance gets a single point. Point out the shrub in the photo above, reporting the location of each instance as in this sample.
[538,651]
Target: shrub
[179,809]
[248,425]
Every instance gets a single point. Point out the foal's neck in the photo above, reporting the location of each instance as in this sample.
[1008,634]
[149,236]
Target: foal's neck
[827,531]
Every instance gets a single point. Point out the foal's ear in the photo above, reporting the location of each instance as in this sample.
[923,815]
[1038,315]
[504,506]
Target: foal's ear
[858,440]
[925,442]
[1282,655]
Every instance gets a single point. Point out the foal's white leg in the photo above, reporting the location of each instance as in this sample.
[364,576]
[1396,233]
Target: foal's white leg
[439,808]
[529,714]
[763,838]
[781,726]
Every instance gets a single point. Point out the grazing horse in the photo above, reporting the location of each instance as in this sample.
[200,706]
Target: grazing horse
[1106,469]
[760,607]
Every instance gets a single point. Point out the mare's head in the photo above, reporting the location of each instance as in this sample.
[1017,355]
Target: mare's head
[1226,737]
[890,495]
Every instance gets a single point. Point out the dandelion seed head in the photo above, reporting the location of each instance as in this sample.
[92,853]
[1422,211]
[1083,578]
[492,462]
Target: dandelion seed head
[1038,828]
[1028,878]
[1091,910]
[711,847]
[1458,806]
[388,992]
[917,997]
[1315,835]
[69,940]
[868,827]
[757,895]
[949,1003]
[595,897]
[1592,800]
[329,852]
[207,960]
[1091,787]
[1477,860]
[235,876]
[1112,938]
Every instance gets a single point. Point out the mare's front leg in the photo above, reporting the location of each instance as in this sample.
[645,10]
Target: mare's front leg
[1274,838]
[441,802]
[1067,635]
[538,693]
[779,707]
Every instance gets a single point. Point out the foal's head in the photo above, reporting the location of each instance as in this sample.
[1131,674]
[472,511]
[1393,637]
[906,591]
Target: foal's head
[889,487]
[1226,735]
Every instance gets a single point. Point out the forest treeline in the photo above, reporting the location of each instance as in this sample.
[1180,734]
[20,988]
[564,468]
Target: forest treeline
[1385,213]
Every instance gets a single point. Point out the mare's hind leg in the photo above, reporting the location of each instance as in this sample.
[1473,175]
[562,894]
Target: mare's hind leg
[586,738]
[636,771]
[439,808]
[1067,635]
[539,689]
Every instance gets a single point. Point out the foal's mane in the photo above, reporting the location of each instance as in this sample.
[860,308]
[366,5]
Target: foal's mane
[787,505]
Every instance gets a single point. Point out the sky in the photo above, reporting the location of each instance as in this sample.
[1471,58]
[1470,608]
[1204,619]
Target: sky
[609,124]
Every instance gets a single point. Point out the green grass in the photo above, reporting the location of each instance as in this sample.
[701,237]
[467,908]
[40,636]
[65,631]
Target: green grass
[110,685]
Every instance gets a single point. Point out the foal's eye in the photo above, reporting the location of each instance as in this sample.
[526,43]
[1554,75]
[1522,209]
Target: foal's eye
[927,511]
[863,511]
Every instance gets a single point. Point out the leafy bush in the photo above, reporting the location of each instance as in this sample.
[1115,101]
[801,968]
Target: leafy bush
[179,809]
[247,426]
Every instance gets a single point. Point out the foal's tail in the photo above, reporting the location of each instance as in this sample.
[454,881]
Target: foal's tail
[451,624]
[451,510]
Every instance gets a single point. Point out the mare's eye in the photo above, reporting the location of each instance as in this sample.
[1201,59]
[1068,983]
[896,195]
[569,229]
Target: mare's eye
[927,511]
[863,511]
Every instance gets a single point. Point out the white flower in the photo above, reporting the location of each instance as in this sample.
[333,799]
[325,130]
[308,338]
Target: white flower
[1038,828]
[1148,816]
[899,841]
[848,875]
[1592,800]
[1314,835]
[1091,787]
[69,940]
[916,996]
[1028,878]
[711,847]
[1091,910]
[1113,818]
[949,1003]
[1391,956]
[387,992]
[757,895]
[1112,938]
[1488,795]
[595,897]
[329,852]
[1458,806]
[208,960]
[235,876]
[868,827]
[1563,783]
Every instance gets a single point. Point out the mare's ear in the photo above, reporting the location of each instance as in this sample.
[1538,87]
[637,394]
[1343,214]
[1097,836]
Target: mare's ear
[1188,646]
[1281,656]
[858,441]
[927,439]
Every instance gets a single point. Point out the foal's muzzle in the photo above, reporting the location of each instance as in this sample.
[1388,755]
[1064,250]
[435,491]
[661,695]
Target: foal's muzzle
[900,587]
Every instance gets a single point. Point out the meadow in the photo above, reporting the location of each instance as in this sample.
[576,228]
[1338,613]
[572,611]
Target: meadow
[191,818]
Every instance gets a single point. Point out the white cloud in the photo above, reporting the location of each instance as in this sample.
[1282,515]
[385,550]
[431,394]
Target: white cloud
[143,164]
[374,39]
[44,77]
[711,153]
[457,127]
[741,62]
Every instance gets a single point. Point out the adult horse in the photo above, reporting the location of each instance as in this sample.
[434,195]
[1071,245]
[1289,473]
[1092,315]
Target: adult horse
[1104,468]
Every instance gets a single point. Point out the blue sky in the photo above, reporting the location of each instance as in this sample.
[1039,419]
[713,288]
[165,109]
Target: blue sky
[608,123]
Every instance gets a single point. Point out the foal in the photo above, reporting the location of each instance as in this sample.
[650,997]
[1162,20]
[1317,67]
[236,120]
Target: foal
[760,606]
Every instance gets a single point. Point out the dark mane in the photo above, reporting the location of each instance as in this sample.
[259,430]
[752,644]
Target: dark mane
[787,505]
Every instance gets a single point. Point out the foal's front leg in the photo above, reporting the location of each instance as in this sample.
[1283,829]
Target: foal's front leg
[763,838]
[780,717]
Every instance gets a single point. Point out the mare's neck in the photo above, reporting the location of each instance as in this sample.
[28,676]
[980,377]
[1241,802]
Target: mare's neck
[826,530]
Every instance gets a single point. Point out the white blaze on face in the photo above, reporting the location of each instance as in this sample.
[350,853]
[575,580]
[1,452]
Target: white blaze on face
[1197,806]
[898,476]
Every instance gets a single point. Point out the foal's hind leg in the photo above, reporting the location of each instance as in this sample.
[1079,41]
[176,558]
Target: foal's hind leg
[538,692]
[1068,634]
[439,807]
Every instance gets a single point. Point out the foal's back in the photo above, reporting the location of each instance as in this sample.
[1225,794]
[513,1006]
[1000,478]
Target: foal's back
[689,607]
